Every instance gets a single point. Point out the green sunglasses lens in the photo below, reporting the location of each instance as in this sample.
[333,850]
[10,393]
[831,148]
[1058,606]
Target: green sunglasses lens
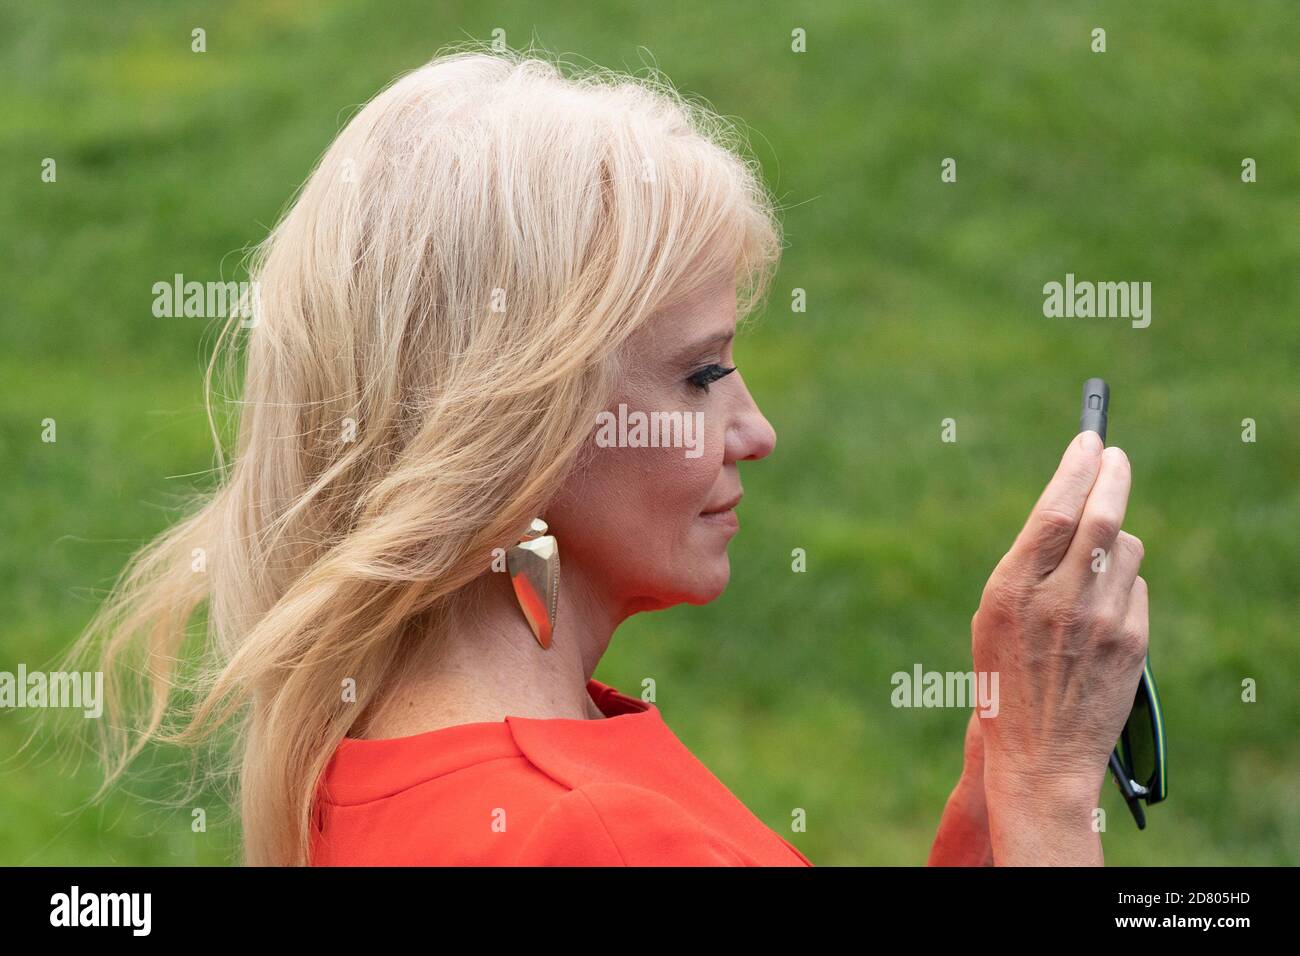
[1139,735]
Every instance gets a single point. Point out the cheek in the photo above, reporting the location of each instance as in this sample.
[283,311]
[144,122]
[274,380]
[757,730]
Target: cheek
[630,513]
[671,486]
[641,494]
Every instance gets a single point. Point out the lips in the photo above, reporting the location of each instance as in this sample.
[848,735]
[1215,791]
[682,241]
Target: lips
[725,507]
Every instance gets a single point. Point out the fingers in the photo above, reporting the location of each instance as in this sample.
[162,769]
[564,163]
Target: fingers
[1113,576]
[1046,536]
[1103,516]
[1136,628]
[1125,561]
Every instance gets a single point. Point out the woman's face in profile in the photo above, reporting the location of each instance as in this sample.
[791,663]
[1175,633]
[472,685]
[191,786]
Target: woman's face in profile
[645,521]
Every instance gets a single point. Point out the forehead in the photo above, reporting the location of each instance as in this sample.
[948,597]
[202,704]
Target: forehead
[707,313]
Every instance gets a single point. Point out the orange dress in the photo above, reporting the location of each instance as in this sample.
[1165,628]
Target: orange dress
[622,791]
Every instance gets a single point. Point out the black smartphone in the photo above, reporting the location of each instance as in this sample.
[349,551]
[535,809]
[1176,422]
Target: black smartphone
[1138,760]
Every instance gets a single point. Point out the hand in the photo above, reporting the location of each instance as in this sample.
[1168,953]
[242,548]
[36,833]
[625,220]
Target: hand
[963,835]
[1063,621]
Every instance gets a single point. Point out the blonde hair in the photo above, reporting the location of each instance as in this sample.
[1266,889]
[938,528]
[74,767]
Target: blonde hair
[453,282]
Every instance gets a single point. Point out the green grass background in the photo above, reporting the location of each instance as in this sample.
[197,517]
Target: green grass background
[924,303]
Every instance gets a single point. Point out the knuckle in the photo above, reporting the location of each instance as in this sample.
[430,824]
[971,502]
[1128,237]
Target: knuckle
[1001,600]
[1102,527]
[1055,524]
[1064,615]
[1105,621]
[1135,640]
[1133,544]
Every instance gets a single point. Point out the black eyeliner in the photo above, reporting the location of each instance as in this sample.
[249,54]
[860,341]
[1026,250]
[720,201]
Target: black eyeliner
[709,374]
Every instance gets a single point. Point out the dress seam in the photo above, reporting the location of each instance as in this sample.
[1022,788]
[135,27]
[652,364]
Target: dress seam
[437,776]
[601,820]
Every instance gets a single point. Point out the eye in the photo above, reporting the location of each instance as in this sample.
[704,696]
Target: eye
[710,373]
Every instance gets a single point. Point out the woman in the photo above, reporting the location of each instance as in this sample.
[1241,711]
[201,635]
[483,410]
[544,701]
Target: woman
[495,330]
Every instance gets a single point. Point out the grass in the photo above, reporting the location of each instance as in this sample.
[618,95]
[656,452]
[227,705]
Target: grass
[924,303]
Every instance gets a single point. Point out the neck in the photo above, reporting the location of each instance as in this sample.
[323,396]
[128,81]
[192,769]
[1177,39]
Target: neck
[486,664]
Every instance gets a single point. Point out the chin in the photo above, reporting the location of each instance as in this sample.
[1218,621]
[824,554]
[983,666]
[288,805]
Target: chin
[710,582]
[704,582]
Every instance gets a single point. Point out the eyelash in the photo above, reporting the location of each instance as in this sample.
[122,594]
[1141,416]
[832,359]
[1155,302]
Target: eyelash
[709,374]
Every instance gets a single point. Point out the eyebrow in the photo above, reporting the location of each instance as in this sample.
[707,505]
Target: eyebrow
[695,348]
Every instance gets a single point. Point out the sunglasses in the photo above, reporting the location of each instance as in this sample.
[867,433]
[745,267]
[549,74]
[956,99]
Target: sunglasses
[1138,760]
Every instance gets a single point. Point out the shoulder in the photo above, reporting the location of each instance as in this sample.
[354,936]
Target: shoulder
[621,824]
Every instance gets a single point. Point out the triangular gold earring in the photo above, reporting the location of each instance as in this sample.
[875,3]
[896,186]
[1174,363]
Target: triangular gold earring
[534,566]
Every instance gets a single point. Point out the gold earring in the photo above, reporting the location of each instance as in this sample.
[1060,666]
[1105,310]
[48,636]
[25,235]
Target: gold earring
[534,566]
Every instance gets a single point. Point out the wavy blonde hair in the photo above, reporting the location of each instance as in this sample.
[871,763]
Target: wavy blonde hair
[449,290]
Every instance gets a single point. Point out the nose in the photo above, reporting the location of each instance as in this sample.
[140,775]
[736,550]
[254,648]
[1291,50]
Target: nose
[750,436]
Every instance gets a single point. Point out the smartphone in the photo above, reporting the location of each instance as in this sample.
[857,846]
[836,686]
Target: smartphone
[1138,760]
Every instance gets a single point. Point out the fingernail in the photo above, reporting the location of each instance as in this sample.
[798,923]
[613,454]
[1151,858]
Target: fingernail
[1090,441]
